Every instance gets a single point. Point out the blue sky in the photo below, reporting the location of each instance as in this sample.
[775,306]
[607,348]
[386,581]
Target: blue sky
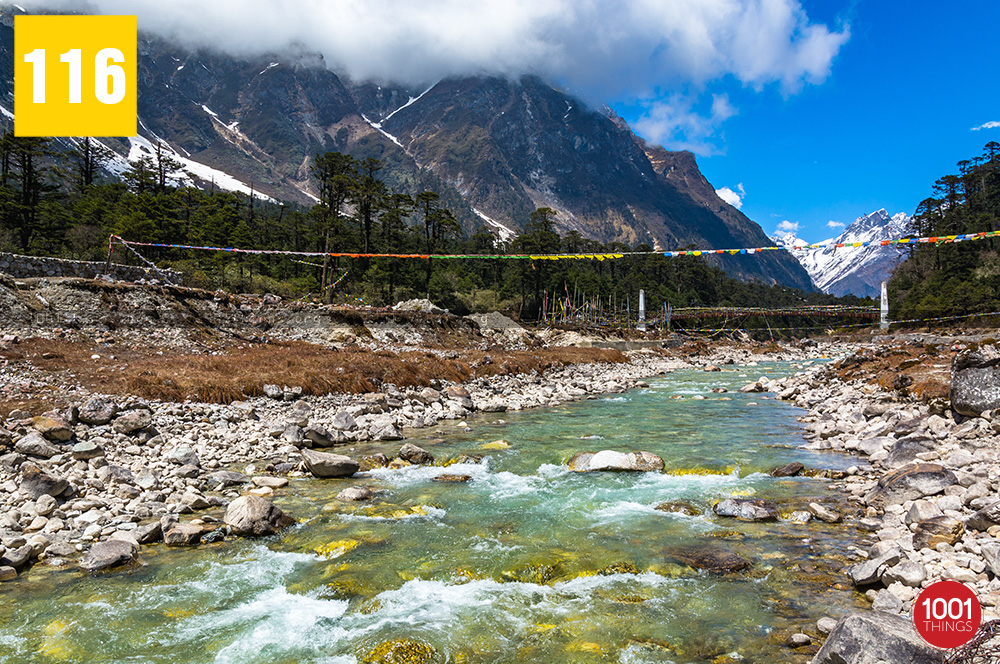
[895,113]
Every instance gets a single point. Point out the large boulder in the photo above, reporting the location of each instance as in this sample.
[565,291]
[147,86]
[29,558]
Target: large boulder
[905,450]
[747,509]
[610,460]
[182,534]
[932,532]
[321,437]
[991,554]
[909,483]
[461,395]
[975,380]
[344,421]
[98,410]
[323,464]
[413,454]
[35,444]
[53,428]
[36,483]
[133,421]
[256,517]
[111,553]
[876,637]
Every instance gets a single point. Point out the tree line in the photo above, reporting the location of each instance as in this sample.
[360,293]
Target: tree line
[945,279]
[65,203]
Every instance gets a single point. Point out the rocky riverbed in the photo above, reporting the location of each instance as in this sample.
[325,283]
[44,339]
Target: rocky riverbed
[137,471]
[91,484]
[924,493]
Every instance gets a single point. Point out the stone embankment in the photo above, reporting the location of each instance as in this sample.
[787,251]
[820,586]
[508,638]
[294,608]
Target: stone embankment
[109,475]
[925,493]
[27,267]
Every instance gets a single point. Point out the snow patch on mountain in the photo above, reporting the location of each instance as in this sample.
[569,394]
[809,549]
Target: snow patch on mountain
[853,270]
[377,126]
[140,146]
[503,233]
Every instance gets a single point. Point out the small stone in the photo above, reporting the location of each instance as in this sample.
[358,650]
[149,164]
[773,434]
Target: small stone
[270,482]
[110,553]
[299,414]
[747,509]
[149,532]
[183,455]
[907,573]
[195,501]
[146,480]
[871,570]
[942,529]
[823,513]
[355,494]
[825,625]
[320,437]
[788,470]
[7,573]
[18,557]
[448,477]
[228,478]
[798,640]
[45,505]
[888,602]
[85,450]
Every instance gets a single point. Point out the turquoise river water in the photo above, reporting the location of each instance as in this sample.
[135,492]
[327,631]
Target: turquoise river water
[525,562]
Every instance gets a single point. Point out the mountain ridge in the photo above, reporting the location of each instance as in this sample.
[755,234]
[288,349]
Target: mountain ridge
[494,147]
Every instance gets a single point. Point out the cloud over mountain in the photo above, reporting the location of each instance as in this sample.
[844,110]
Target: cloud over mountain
[609,47]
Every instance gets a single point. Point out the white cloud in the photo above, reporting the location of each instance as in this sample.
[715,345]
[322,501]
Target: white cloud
[993,124]
[834,224]
[607,49]
[679,122]
[734,198]
[788,227]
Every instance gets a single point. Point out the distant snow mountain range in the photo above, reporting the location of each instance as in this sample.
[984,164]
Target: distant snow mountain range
[853,270]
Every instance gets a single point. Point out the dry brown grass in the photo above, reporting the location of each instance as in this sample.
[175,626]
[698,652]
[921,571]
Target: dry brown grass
[241,372]
[922,371]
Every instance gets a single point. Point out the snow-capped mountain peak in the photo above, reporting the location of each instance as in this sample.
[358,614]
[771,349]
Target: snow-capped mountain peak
[853,270]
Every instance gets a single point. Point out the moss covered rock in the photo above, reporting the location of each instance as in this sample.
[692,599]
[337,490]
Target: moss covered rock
[400,651]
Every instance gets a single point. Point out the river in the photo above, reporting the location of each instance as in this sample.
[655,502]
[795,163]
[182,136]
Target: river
[525,562]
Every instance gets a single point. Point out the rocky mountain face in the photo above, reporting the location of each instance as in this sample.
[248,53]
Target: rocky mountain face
[495,148]
[855,270]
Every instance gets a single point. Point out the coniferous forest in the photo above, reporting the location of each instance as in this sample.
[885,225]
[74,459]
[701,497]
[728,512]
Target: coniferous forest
[945,279]
[63,203]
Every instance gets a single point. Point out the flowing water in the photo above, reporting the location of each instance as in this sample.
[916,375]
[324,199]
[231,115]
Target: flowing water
[525,562]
